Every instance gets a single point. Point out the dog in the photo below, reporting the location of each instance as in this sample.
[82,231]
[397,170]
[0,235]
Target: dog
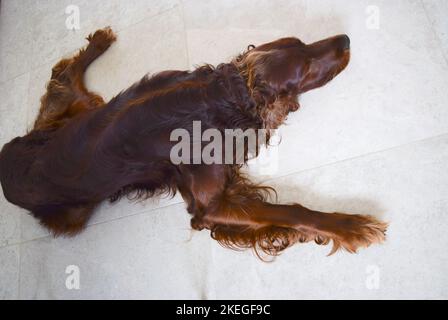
[83,150]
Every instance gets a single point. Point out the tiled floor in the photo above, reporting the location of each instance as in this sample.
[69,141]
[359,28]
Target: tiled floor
[373,141]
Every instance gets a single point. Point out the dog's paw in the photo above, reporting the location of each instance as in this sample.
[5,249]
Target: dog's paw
[102,38]
[357,231]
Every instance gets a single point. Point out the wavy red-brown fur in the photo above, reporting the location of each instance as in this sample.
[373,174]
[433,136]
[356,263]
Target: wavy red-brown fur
[83,150]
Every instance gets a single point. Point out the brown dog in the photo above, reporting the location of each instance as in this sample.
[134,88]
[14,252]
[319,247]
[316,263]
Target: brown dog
[83,150]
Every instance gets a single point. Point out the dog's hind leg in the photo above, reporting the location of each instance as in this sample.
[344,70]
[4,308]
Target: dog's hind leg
[99,42]
[66,93]
[67,221]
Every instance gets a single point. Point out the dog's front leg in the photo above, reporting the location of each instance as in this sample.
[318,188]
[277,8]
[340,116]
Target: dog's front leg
[256,223]
[236,212]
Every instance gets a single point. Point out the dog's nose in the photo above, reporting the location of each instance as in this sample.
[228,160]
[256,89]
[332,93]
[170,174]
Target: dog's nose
[345,42]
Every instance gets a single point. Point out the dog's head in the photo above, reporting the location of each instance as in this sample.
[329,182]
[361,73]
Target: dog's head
[277,72]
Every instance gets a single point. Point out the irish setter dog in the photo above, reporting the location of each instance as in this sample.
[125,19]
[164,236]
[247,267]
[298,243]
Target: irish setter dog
[83,150]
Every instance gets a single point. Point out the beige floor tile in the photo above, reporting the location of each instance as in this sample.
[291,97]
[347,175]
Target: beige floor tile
[15,39]
[36,33]
[436,11]
[406,186]
[9,277]
[140,50]
[393,91]
[145,256]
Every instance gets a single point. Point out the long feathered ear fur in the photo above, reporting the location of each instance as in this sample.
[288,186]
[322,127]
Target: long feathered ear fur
[272,106]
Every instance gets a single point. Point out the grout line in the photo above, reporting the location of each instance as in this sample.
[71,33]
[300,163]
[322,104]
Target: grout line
[146,18]
[438,40]
[182,12]
[29,104]
[139,212]
[359,156]
[19,271]
[16,76]
[208,289]
[19,249]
